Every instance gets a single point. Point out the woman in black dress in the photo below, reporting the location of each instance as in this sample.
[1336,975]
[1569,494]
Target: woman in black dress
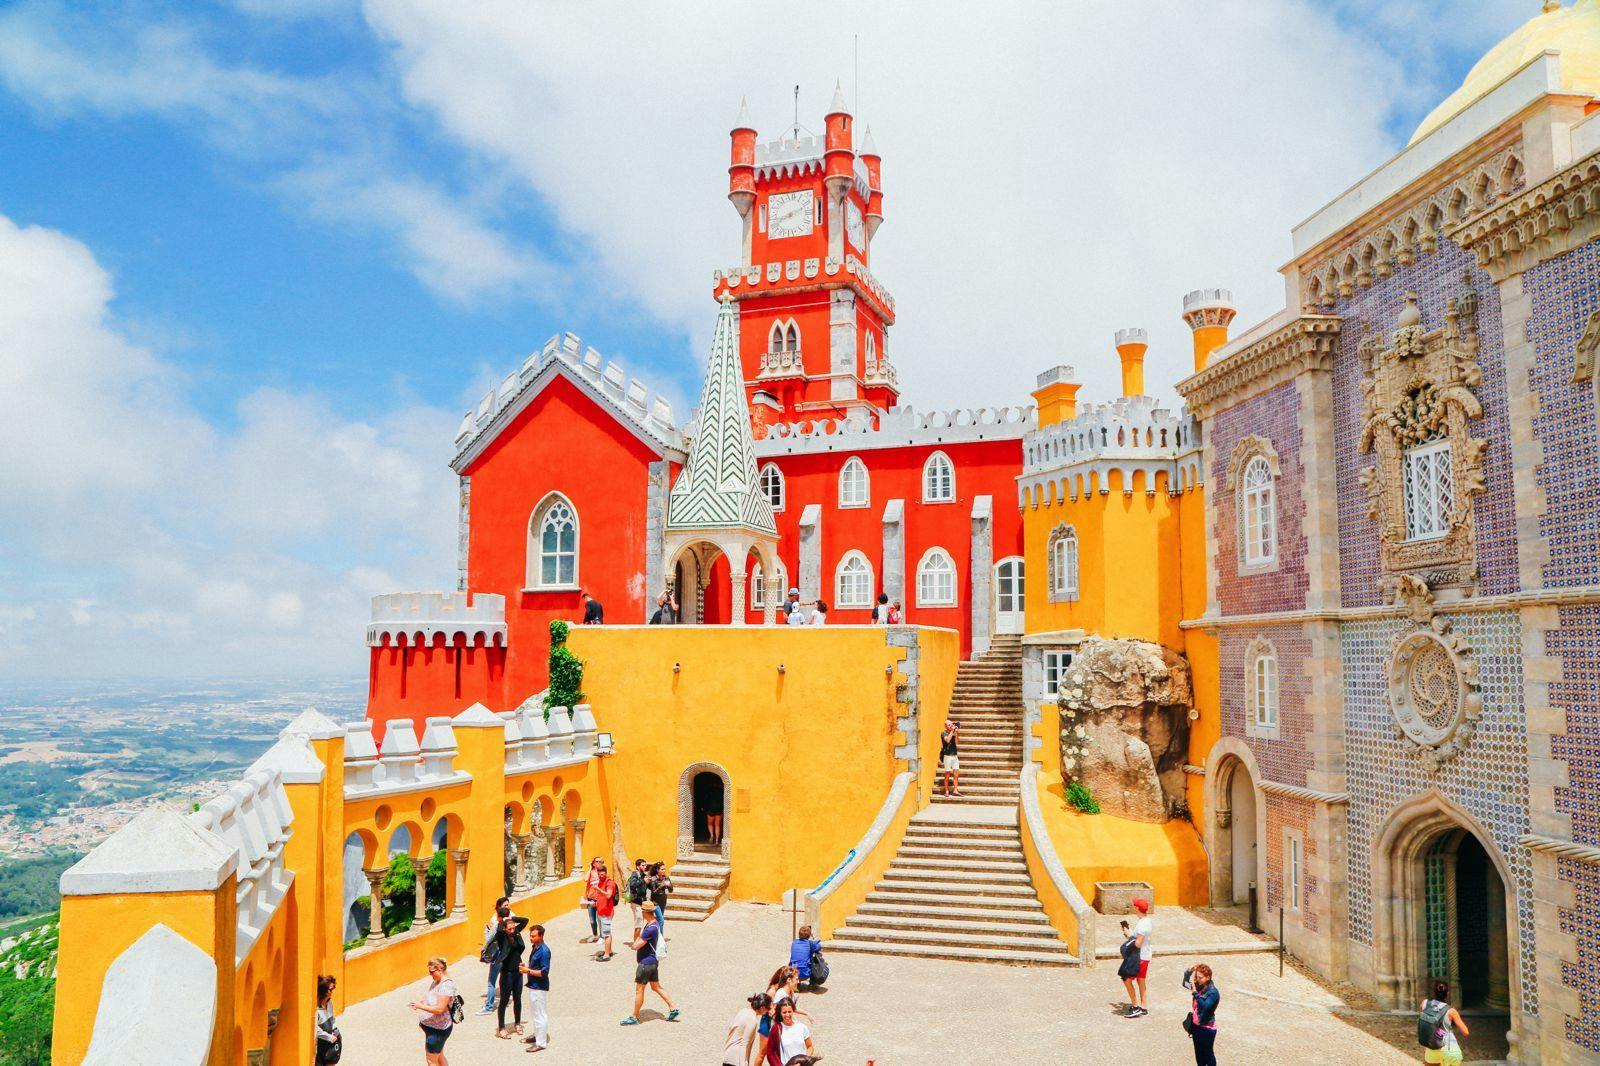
[511,947]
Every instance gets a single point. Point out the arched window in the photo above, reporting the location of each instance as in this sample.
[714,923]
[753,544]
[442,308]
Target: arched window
[1063,560]
[870,347]
[936,579]
[938,479]
[772,486]
[1429,497]
[854,489]
[1261,662]
[758,586]
[553,544]
[1258,513]
[784,337]
[853,581]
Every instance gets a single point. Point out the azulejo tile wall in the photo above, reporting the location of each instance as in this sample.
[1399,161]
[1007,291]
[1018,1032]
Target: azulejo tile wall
[1489,778]
[1275,415]
[1435,278]
[1285,758]
[1583,1028]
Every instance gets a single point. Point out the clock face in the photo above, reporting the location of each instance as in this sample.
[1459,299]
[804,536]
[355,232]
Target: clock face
[789,214]
[852,225]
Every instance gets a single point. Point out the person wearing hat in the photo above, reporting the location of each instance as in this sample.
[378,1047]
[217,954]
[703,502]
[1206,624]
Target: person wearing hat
[648,970]
[1142,930]
[792,604]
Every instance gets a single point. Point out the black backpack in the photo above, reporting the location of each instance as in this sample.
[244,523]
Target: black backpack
[1129,967]
[1431,1024]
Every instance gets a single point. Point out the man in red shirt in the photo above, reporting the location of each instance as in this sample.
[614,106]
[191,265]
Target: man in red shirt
[605,905]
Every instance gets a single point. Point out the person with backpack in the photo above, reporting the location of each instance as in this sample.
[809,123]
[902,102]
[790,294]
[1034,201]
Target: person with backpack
[440,1008]
[330,1044]
[1437,1025]
[1129,969]
[648,971]
[805,955]
[489,952]
[638,891]
[1201,1021]
[605,910]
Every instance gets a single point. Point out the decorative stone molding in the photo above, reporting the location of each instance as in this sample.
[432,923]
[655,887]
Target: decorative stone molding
[1418,391]
[1258,648]
[1274,788]
[1194,771]
[1433,681]
[1562,849]
[1584,355]
[1402,236]
[686,808]
[1548,220]
[1053,592]
[1246,449]
[1302,344]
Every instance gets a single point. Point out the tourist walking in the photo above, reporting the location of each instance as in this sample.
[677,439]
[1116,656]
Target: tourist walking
[647,972]
[491,930]
[638,892]
[330,1044]
[436,1008]
[605,911]
[1437,1025]
[591,897]
[512,947]
[819,614]
[1143,931]
[1201,1024]
[950,758]
[593,613]
[743,1044]
[784,987]
[537,971]
[789,1037]
[805,955]
[1129,969]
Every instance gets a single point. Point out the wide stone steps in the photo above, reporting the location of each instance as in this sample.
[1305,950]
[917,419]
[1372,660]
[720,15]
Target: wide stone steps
[988,937]
[958,953]
[955,853]
[976,909]
[699,886]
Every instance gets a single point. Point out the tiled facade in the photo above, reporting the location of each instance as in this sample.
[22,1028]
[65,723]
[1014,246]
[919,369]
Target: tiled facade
[1274,415]
[1283,758]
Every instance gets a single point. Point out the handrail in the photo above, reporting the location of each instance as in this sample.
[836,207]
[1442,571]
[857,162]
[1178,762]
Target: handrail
[1031,823]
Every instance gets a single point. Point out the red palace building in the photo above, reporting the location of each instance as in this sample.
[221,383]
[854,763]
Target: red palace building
[565,468]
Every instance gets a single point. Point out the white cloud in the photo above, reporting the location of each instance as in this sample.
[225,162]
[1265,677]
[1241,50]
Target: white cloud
[1051,173]
[189,548]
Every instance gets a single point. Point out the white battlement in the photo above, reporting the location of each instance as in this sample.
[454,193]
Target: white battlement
[899,428]
[1130,434]
[415,618]
[631,398]
[254,818]
[789,156]
[1131,336]
[1207,298]
[791,270]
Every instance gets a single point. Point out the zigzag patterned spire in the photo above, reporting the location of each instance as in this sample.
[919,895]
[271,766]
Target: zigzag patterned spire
[717,488]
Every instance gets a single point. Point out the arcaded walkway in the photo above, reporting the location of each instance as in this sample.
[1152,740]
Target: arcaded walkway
[892,1011]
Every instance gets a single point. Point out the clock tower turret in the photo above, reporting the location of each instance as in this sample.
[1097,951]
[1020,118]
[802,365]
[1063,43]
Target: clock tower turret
[813,321]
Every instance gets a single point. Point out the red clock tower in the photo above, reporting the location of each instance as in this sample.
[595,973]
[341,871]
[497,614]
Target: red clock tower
[813,321]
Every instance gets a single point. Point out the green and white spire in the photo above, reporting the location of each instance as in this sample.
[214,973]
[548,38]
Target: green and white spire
[717,488]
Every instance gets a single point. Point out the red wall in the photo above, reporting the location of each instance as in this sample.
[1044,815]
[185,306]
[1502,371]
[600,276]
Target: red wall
[563,441]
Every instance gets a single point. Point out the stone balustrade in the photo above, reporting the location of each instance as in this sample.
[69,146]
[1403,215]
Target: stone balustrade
[780,365]
[419,618]
[402,764]
[901,427]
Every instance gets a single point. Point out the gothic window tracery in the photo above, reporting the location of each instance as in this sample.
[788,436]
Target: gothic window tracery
[1261,665]
[553,544]
[1062,559]
[938,479]
[1259,512]
[772,486]
[936,579]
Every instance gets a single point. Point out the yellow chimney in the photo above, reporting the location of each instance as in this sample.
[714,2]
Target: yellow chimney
[1056,396]
[1131,345]
[1208,313]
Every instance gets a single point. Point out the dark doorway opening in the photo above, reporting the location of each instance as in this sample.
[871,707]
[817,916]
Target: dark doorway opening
[709,799]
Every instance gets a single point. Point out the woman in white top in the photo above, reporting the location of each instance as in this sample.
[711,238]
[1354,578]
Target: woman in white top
[790,1037]
[434,1006]
[327,1026]
[819,614]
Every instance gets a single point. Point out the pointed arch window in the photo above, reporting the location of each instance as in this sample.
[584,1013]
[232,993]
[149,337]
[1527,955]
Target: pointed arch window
[855,488]
[853,581]
[936,579]
[870,347]
[1063,564]
[553,544]
[772,486]
[938,479]
[1258,505]
[784,337]
[1261,686]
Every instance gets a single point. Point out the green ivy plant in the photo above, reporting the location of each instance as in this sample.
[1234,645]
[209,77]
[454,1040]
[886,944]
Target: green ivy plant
[1079,798]
[566,671]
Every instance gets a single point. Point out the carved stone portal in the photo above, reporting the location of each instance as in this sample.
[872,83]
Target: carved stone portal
[1420,392]
[1433,680]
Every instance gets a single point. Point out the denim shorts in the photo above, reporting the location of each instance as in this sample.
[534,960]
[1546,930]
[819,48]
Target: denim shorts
[433,1039]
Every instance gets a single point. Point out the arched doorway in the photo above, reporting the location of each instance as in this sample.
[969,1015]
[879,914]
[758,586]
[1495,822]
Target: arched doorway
[1444,907]
[1242,833]
[703,788]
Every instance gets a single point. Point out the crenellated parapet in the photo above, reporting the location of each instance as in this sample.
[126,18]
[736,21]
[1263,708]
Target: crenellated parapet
[419,618]
[1130,435]
[788,275]
[898,428]
[606,381]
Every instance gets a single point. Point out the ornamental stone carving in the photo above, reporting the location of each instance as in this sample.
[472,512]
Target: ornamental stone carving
[1588,344]
[1247,449]
[1433,681]
[1419,391]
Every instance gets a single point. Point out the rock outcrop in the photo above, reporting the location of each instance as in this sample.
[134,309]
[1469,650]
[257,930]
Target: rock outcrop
[1125,727]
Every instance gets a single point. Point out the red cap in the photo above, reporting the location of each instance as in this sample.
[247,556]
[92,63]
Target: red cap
[1141,905]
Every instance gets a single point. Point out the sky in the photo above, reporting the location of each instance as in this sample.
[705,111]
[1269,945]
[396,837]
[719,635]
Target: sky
[257,257]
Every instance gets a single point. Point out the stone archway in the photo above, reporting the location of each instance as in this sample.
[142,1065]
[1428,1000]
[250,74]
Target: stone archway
[686,818]
[1418,864]
[1235,825]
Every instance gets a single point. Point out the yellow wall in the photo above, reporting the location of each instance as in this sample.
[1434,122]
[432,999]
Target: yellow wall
[938,657]
[1200,648]
[831,911]
[809,751]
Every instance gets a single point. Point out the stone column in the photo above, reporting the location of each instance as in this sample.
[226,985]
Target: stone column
[375,894]
[458,878]
[550,832]
[577,843]
[419,870]
[739,580]
[810,579]
[775,596]
[519,848]
[1498,996]
[982,573]
[894,552]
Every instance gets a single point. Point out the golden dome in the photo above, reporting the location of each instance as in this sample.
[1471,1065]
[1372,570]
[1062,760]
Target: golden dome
[1573,31]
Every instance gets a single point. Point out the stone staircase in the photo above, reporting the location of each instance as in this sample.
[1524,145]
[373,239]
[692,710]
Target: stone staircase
[987,702]
[699,886]
[958,889]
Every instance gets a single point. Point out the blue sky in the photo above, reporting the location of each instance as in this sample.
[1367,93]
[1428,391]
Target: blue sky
[260,256]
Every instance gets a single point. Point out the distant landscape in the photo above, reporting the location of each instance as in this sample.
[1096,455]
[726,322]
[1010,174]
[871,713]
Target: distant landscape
[78,760]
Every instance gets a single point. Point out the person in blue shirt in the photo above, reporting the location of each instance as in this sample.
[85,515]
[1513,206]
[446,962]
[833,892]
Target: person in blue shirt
[801,951]
[1202,1020]
[648,970]
[537,969]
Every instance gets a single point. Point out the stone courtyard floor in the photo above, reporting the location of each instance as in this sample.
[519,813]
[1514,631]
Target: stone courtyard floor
[898,1011]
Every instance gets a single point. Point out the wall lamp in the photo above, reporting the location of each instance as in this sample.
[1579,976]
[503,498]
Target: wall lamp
[780,668]
[677,668]
[603,744]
